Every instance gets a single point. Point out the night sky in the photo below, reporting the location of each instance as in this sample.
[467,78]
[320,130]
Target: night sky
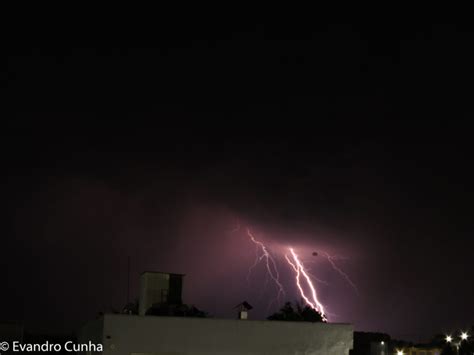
[351,140]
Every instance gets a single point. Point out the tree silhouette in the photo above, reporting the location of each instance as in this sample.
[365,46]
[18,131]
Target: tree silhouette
[182,310]
[164,309]
[297,313]
[131,307]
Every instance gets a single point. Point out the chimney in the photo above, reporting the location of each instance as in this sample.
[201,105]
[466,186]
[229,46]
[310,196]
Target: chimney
[243,308]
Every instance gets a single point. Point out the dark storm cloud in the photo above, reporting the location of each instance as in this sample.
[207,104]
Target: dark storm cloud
[82,226]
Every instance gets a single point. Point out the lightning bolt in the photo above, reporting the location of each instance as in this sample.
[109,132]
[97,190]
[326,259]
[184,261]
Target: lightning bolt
[303,277]
[264,255]
[339,271]
[236,228]
[317,279]
[301,272]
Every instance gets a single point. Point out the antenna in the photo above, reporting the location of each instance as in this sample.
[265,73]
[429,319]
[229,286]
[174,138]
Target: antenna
[128,279]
